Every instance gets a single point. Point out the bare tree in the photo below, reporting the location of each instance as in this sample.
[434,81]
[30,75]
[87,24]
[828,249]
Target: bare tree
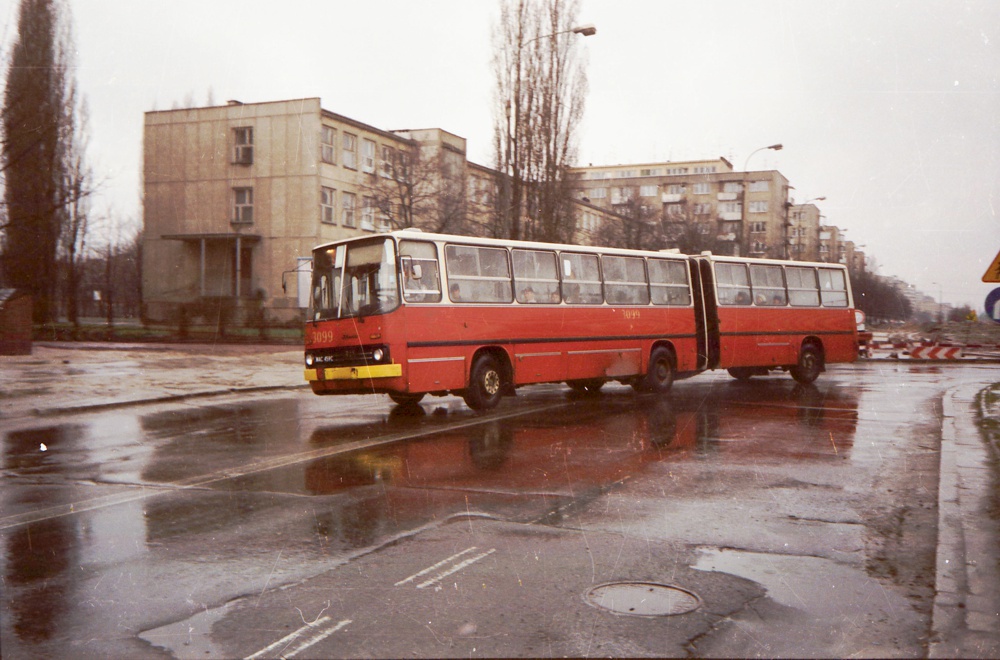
[77,182]
[421,187]
[639,227]
[541,86]
[686,228]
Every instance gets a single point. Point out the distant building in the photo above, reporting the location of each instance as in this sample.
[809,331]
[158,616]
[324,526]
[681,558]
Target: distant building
[740,213]
[803,232]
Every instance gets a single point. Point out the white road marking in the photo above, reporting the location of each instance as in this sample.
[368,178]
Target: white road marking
[434,567]
[288,639]
[316,639]
[456,568]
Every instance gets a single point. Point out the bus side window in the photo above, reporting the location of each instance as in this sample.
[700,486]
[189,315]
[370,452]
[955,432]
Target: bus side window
[481,273]
[768,285]
[802,289]
[833,287]
[581,275]
[668,282]
[625,281]
[421,277]
[733,283]
[535,276]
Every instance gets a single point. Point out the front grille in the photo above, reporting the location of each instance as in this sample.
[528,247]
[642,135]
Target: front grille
[347,356]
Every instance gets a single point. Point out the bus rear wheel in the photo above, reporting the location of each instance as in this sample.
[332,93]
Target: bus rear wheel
[589,386]
[485,384]
[660,376]
[404,399]
[741,374]
[809,366]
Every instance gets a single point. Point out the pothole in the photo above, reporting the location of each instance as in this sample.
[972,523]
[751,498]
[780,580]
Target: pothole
[643,599]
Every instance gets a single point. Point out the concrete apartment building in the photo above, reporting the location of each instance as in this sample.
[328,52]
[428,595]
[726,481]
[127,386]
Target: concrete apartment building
[236,197]
[744,212]
[803,232]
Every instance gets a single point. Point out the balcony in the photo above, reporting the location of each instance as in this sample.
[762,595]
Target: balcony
[668,198]
[727,196]
[731,216]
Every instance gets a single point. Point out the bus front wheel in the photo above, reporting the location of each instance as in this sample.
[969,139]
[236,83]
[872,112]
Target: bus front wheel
[809,367]
[485,384]
[405,399]
[660,376]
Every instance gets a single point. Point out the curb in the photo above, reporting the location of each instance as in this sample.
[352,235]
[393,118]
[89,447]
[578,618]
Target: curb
[111,405]
[966,610]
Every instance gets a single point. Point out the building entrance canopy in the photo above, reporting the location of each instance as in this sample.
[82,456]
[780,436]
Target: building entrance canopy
[236,243]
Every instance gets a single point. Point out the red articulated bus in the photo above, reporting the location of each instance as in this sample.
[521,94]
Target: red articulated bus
[410,313]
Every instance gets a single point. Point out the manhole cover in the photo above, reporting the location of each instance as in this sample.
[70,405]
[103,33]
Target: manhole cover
[643,599]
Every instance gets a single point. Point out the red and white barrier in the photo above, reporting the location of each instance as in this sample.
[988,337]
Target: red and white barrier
[936,352]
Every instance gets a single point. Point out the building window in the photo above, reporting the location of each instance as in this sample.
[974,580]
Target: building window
[368,214]
[758,227]
[349,201]
[730,207]
[732,187]
[675,210]
[243,206]
[701,209]
[647,191]
[759,186]
[368,156]
[386,160]
[328,144]
[701,188]
[758,207]
[349,147]
[676,189]
[598,193]
[328,205]
[243,145]
[649,172]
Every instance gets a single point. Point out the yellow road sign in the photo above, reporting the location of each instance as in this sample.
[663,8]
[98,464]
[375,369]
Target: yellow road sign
[993,272]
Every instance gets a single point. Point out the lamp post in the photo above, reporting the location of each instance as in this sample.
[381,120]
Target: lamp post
[513,134]
[940,302]
[772,147]
[743,204]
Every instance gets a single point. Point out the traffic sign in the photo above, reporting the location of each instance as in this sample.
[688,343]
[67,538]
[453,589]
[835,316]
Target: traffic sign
[993,304]
[993,272]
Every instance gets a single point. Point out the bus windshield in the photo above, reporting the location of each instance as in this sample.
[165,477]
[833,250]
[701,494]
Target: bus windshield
[354,279]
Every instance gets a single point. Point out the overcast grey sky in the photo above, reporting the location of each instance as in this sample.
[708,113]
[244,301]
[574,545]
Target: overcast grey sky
[888,109]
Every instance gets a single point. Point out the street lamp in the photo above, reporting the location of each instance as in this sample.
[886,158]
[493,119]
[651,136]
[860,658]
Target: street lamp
[587,30]
[772,147]
[743,204]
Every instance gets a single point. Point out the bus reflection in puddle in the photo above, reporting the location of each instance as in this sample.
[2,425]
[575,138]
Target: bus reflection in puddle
[599,441]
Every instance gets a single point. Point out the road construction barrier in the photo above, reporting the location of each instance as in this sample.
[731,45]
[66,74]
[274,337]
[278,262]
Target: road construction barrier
[936,352]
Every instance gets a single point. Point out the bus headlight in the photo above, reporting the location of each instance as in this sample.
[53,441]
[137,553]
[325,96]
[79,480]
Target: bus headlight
[309,359]
[378,354]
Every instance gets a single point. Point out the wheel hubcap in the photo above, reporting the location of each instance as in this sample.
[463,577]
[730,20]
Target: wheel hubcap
[491,382]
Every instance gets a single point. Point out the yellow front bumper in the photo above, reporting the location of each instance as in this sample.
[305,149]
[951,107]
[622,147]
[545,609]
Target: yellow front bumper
[355,373]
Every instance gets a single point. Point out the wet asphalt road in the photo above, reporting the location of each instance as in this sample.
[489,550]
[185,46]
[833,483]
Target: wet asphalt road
[793,521]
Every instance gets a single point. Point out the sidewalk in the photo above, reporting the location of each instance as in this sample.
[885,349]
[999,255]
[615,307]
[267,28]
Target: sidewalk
[66,377]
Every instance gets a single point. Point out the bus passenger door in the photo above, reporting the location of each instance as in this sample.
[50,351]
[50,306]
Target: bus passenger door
[706,313]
